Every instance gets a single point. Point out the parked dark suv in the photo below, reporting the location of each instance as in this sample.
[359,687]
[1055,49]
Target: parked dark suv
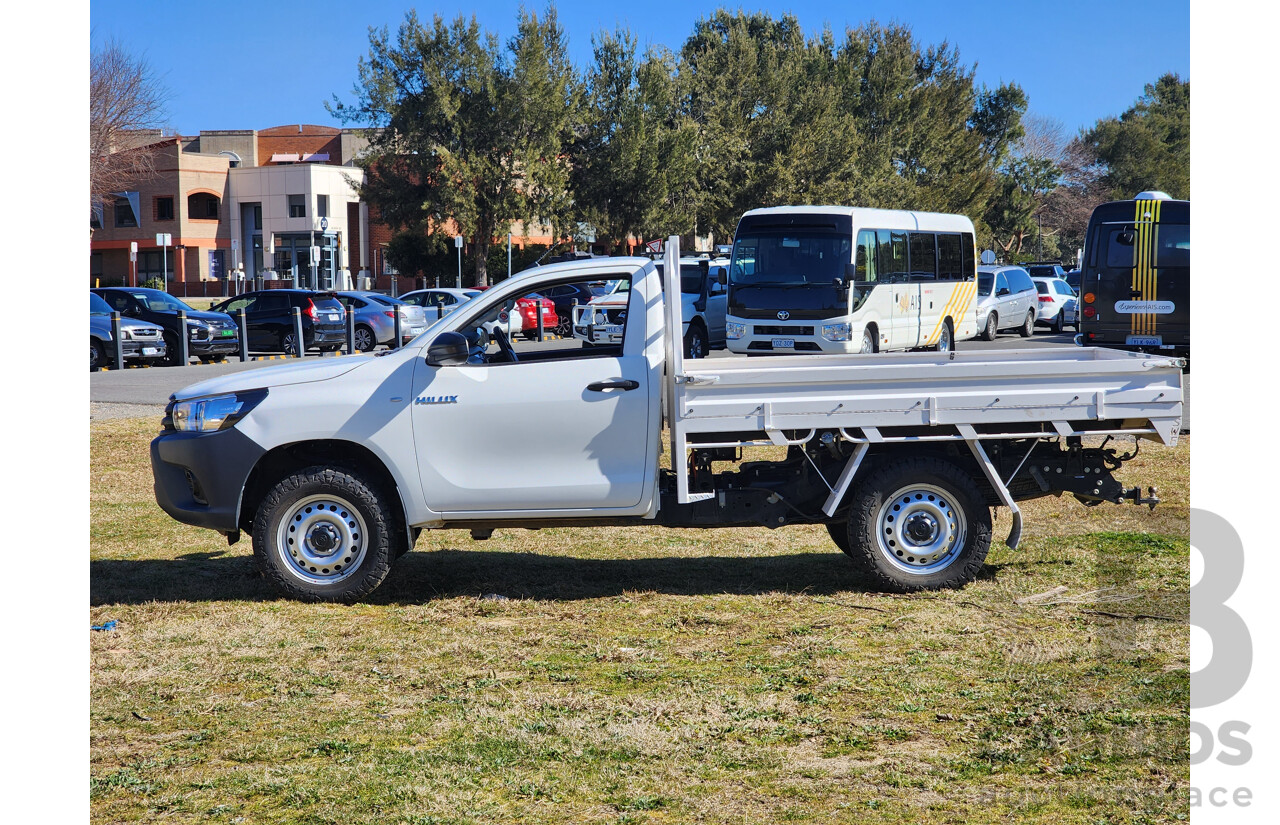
[269,317]
[211,336]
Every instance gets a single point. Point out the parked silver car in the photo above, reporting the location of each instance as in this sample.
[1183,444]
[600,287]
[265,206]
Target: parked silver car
[375,319]
[140,340]
[1006,300]
[438,301]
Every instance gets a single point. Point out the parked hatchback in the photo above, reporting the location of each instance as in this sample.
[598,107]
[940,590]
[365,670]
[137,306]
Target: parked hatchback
[139,341]
[1006,300]
[375,319]
[269,318]
[1051,303]
[211,336]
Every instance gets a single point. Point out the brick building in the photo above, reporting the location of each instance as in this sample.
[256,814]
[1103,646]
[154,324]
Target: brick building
[255,202]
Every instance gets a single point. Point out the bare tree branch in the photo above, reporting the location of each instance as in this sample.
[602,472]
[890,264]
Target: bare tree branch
[126,117]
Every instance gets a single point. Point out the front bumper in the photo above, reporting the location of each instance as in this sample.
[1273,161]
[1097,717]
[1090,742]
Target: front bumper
[200,477]
[141,349]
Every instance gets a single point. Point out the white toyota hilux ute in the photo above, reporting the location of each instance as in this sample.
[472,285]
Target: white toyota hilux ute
[335,466]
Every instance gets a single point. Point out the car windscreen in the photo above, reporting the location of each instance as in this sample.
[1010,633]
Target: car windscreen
[984,283]
[790,257]
[97,306]
[160,301]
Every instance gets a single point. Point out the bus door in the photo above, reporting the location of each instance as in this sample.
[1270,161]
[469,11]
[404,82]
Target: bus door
[923,260]
[903,293]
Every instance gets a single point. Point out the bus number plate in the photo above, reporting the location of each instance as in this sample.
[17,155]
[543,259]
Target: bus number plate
[784,343]
[1144,340]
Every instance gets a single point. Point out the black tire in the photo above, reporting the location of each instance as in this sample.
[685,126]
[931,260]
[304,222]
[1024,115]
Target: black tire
[896,499]
[289,343]
[991,328]
[946,339]
[1028,327]
[212,359]
[365,340]
[695,342]
[1058,323]
[839,532]
[97,355]
[868,342]
[172,357]
[340,497]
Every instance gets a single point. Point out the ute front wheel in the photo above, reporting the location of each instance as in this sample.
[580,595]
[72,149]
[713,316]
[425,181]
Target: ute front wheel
[921,524]
[325,534]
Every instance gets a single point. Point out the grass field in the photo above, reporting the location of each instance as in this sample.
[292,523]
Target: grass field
[640,675]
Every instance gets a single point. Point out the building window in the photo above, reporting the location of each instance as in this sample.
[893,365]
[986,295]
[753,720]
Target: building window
[203,206]
[322,206]
[297,206]
[164,209]
[257,216]
[124,213]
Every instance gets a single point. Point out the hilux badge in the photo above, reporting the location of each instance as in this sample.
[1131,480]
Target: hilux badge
[436,399]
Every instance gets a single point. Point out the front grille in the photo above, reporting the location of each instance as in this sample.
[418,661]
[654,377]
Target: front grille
[777,330]
[145,334]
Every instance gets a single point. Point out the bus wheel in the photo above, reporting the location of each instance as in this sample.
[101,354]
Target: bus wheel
[868,341]
[1029,325]
[920,524]
[945,344]
[989,331]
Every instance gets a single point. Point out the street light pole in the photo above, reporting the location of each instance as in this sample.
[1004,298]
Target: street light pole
[1039,245]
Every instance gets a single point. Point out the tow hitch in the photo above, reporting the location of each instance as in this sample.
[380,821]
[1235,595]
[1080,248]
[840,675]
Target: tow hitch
[1134,494]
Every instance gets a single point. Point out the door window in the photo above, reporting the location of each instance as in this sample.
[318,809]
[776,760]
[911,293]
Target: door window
[865,260]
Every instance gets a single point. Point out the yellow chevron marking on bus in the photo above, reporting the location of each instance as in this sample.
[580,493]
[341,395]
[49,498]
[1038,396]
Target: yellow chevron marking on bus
[1155,271]
[962,294]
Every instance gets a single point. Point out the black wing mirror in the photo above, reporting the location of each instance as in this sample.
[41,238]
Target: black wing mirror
[1002,291]
[449,349]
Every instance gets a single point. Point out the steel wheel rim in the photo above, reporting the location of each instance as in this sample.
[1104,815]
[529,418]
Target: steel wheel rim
[322,539]
[363,340]
[921,529]
[944,340]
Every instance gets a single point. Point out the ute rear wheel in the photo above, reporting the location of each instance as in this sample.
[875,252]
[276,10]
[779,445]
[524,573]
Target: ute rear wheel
[921,524]
[326,534]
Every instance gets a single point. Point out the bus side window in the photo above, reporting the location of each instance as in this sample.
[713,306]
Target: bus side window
[924,257]
[968,262]
[865,262]
[949,266]
[1120,253]
[891,255]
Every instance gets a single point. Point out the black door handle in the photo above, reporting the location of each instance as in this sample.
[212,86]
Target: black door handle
[624,384]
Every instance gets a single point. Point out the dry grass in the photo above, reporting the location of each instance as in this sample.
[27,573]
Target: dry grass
[639,675]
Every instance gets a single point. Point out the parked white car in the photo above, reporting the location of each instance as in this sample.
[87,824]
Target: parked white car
[1051,303]
[704,300]
[1006,300]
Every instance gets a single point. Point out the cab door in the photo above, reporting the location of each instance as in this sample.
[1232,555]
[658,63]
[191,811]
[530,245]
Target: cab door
[717,306]
[559,428]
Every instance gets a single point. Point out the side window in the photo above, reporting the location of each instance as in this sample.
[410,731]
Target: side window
[865,261]
[118,300]
[1120,243]
[891,254]
[507,332]
[1001,282]
[949,266]
[1020,281]
[272,303]
[1061,288]
[968,264]
[924,257]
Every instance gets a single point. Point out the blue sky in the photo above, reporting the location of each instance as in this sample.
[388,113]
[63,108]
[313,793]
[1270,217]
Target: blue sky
[268,63]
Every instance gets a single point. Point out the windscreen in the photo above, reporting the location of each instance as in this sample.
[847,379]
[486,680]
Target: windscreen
[790,257]
[97,306]
[984,283]
[157,301]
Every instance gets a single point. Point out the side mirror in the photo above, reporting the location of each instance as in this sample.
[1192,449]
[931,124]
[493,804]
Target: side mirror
[723,277]
[449,349]
[850,272]
[1002,291]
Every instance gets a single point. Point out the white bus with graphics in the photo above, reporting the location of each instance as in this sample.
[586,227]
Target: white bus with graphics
[810,279]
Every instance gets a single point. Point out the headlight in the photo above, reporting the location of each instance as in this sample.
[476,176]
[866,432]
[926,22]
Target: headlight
[836,332]
[735,331]
[205,415]
[198,330]
[125,335]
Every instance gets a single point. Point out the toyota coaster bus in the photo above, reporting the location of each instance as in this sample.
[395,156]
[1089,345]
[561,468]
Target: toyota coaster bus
[809,279]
